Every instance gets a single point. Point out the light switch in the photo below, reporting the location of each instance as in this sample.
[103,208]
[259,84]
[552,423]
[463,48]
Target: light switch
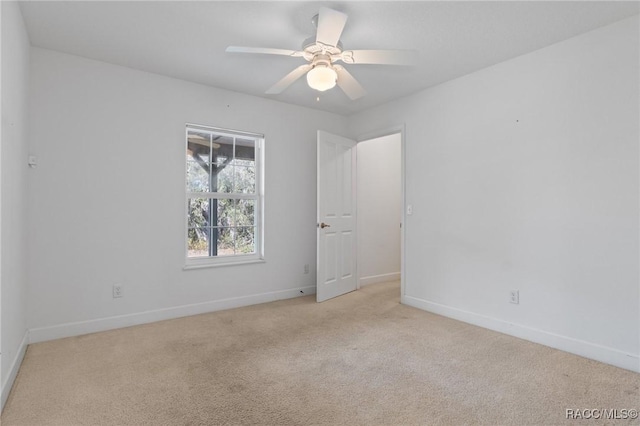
[409,209]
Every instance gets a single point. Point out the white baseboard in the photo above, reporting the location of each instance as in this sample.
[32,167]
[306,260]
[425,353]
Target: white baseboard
[103,324]
[568,344]
[13,370]
[373,279]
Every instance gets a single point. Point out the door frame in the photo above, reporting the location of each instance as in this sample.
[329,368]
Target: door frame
[392,130]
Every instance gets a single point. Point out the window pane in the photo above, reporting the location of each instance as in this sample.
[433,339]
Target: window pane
[245,180]
[223,178]
[198,150]
[198,145]
[197,177]
[245,152]
[222,147]
[225,241]
[225,212]
[222,168]
[245,213]
[245,240]
[198,212]
[198,242]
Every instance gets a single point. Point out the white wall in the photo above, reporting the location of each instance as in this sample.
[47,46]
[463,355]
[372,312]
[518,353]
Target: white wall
[525,176]
[379,208]
[107,198]
[13,190]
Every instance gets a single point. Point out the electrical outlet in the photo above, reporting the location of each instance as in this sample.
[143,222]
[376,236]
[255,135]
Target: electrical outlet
[306,268]
[514,297]
[118,291]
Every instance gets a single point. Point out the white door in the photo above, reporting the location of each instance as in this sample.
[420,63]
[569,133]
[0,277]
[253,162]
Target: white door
[336,259]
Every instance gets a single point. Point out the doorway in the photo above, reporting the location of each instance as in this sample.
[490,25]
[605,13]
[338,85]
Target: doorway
[380,208]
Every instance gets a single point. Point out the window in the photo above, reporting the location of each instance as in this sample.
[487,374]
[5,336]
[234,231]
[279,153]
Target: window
[224,196]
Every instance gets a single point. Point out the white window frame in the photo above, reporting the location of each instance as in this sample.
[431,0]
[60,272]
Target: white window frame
[237,259]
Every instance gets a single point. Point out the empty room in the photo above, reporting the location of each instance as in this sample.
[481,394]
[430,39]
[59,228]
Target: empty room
[301,212]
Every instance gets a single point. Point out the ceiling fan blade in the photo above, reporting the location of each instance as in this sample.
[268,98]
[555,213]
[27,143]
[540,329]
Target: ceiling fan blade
[288,79]
[263,50]
[382,57]
[349,85]
[330,26]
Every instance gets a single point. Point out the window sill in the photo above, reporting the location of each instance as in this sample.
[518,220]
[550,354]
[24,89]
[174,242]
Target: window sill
[217,264]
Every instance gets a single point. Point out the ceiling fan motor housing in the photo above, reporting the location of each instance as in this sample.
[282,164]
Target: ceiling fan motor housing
[321,60]
[311,48]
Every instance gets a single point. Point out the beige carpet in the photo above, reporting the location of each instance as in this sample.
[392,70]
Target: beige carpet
[359,359]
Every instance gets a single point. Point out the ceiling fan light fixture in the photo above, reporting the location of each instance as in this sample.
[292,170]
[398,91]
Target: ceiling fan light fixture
[322,77]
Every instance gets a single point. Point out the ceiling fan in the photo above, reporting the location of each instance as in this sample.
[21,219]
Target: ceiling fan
[323,51]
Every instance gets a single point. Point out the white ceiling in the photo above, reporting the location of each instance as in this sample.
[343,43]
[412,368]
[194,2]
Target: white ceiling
[187,40]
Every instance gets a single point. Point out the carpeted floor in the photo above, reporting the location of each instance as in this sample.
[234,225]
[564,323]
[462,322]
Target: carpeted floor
[359,359]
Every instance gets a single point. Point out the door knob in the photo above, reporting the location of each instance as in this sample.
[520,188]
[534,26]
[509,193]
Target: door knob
[324,225]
